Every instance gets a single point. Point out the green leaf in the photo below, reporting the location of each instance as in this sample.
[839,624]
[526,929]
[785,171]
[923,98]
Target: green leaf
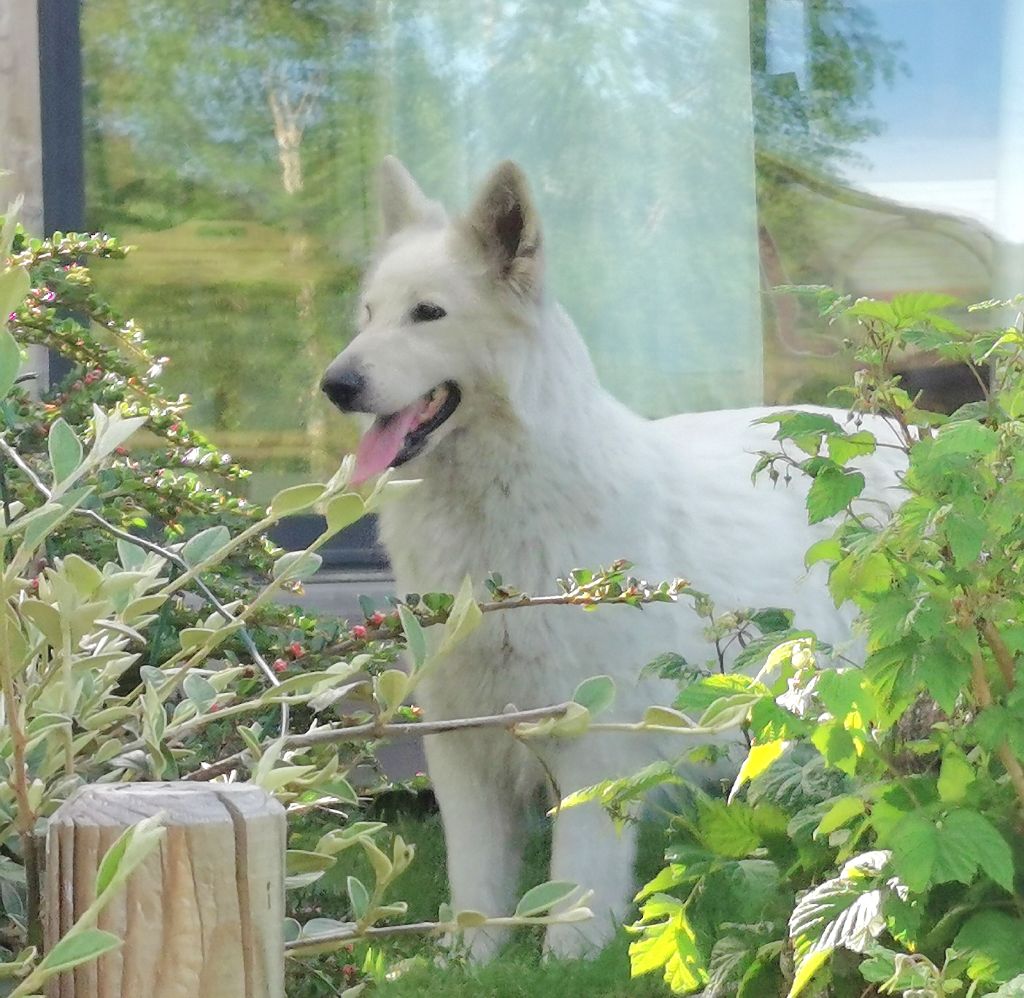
[205,544]
[15,284]
[596,693]
[956,774]
[839,813]
[670,946]
[77,948]
[966,535]
[543,897]
[729,829]
[758,760]
[358,896]
[832,491]
[65,450]
[295,499]
[297,565]
[200,691]
[391,687]
[464,618]
[915,849]
[972,834]
[992,940]
[342,511]
[966,437]
[730,711]
[665,717]
[415,638]
[806,969]
[10,358]
[845,447]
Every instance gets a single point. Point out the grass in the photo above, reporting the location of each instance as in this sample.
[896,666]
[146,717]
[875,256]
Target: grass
[519,972]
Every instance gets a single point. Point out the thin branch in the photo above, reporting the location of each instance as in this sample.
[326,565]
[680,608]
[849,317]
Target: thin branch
[372,731]
[983,694]
[308,947]
[1002,654]
[383,632]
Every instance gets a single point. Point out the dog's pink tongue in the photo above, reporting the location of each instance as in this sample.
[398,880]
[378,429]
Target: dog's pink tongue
[382,441]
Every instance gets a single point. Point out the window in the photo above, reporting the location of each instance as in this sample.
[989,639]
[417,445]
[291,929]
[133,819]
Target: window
[687,155]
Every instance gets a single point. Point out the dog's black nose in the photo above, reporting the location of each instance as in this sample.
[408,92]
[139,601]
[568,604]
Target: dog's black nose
[343,387]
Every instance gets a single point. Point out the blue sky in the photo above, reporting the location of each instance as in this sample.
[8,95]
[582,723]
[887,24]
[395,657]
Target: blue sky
[942,117]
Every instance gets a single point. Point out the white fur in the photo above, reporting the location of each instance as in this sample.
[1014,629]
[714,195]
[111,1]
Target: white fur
[540,471]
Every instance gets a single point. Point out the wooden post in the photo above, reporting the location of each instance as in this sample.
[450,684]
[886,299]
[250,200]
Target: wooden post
[202,917]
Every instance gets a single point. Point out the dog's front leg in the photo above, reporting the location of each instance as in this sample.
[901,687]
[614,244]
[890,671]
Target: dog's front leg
[588,850]
[484,826]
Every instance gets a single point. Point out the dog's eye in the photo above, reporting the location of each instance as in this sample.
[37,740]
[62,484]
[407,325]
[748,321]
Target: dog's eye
[427,311]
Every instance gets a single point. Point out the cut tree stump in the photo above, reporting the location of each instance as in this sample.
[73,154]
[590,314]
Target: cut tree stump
[202,917]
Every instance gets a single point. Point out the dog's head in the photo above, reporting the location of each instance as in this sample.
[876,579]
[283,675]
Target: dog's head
[440,313]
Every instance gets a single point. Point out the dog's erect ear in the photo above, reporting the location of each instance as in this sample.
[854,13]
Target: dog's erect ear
[505,222]
[403,204]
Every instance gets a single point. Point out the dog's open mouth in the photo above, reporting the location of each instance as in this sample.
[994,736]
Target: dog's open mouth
[400,436]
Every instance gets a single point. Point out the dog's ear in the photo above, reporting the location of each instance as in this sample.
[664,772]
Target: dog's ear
[505,223]
[403,204]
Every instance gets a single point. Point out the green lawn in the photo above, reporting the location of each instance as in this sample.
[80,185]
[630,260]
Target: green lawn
[519,972]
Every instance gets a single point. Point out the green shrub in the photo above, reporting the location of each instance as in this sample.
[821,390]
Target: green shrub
[871,841]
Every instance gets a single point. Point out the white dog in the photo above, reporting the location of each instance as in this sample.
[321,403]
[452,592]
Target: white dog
[483,389]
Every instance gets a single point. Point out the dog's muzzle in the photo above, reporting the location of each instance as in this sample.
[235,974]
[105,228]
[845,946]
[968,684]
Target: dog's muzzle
[344,386]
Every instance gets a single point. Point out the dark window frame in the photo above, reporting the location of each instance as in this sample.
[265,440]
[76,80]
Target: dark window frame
[63,169]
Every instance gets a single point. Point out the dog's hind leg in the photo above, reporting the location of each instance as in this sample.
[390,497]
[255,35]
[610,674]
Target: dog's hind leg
[484,826]
[588,850]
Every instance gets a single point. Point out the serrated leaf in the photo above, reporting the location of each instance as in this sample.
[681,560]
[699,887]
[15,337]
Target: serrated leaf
[971,833]
[992,942]
[806,969]
[77,948]
[831,492]
[205,544]
[65,450]
[956,774]
[295,499]
[828,549]
[839,813]
[543,897]
[838,913]
[846,447]
[596,693]
[758,760]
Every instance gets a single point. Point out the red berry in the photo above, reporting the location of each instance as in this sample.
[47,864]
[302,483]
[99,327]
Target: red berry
[214,707]
[280,665]
[296,649]
[349,970]
[377,619]
[359,631]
